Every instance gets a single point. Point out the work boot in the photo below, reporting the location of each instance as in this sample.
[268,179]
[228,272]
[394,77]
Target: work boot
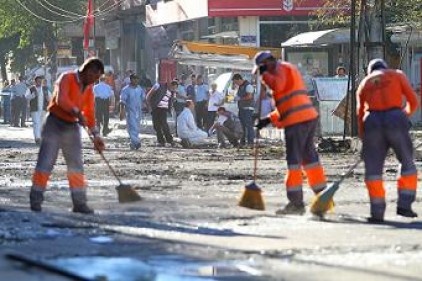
[292,209]
[186,143]
[409,213]
[79,203]
[375,220]
[36,197]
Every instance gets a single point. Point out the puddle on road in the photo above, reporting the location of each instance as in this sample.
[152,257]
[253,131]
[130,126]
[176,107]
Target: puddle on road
[167,268]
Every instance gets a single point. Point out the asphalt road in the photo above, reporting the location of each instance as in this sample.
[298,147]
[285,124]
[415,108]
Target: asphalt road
[189,226]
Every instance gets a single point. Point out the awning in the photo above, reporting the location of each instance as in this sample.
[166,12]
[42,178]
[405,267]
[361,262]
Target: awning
[224,34]
[319,38]
[217,56]
[409,36]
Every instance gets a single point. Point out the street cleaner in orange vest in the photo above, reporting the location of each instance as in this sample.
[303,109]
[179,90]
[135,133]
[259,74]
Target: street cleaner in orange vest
[71,106]
[296,114]
[384,124]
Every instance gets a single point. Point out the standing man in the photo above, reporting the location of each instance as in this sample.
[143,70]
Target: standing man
[245,102]
[160,99]
[190,89]
[71,106]
[201,102]
[38,97]
[103,94]
[296,114]
[131,100]
[216,99]
[19,103]
[384,124]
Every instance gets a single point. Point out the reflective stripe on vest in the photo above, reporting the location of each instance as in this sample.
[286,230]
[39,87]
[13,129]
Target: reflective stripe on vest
[285,114]
[289,96]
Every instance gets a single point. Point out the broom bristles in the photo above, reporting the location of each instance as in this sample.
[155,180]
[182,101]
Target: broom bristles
[323,202]
[252,198]
[127,194]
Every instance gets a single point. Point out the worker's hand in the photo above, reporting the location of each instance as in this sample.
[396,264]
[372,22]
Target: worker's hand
[263,122]
[78,114]
[99,144]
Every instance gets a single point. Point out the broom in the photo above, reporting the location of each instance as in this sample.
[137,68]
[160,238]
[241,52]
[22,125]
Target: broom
[323,201]
[125,192]
[251,197]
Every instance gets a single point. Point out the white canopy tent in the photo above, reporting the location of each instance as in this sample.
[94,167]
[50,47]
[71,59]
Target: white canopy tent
[318,38]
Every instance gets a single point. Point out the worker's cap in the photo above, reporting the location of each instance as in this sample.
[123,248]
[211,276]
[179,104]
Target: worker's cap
[376,64]
[260,58]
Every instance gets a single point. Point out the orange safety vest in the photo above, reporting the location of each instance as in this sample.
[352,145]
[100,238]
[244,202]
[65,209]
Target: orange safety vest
[293,105]
[67,94]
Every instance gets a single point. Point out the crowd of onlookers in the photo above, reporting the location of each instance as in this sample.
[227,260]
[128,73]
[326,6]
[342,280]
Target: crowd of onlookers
[197,108]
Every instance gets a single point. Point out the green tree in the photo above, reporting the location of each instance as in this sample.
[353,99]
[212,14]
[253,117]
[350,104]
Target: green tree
[35,22]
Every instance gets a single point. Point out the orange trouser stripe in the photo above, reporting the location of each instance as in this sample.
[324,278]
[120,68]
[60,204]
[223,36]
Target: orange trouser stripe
[40,179]
[76,180]
[316,176]
[294,178]
[408,182]
[375,188]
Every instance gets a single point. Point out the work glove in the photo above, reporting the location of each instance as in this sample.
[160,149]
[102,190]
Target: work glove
[263,122]
[98,144]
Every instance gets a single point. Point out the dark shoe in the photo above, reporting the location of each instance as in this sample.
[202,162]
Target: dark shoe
[292,209]
[375,220]
[221,146]
[36,197]
[186,143]
[79,203]
[107,131]
[135,146]
[83,209]
[408,213]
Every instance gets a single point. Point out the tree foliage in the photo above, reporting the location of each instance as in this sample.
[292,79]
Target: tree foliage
[35,22]
[397,12]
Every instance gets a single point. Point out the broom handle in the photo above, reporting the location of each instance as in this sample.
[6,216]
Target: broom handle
[103,157]
[255,163]
[350,170]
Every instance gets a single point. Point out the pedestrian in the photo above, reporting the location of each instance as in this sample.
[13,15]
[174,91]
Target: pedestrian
[384,124]
[131,101]
[187,129]
[181,96]
[216,99]
[191,88]
[118,87]
[72,105]
[19,102]
[341,72]
[245,103]
[228,126]
[39,97]
[160,99]
[103,94]
[201,102]
[6,95]
[296,114]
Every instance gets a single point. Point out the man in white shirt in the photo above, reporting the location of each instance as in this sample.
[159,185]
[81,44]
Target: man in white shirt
[39,97]
[131,101]
[103,93]
[187,129]
[216,99]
